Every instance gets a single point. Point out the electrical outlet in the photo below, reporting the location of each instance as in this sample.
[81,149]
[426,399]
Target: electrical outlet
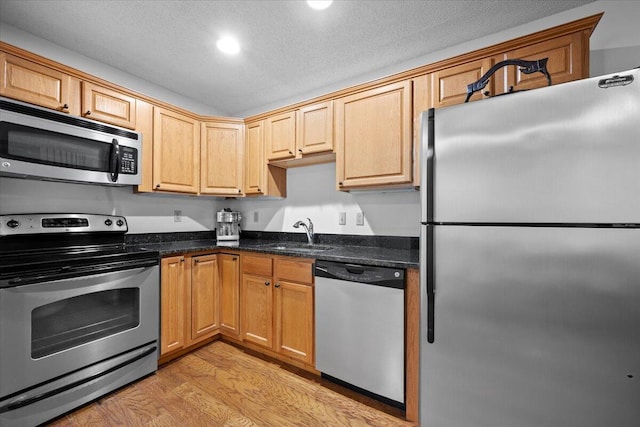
[342,218]
[177,216]
[360,218]
[255,216]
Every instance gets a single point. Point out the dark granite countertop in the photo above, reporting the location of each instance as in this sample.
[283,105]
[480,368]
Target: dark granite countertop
[382,251]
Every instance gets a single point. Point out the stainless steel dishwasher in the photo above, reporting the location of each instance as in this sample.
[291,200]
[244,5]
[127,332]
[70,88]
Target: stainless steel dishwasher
[360,328]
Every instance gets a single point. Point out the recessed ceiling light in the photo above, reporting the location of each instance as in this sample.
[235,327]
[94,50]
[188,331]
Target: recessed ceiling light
[228,45]
[319,4]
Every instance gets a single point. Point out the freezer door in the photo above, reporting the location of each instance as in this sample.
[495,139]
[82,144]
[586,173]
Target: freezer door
[562,154]
[533,327]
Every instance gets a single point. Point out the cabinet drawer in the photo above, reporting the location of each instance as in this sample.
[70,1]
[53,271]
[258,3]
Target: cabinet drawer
[300,271]
[257,265]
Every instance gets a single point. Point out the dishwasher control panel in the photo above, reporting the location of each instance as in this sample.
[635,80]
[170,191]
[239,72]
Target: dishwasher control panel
[381,276]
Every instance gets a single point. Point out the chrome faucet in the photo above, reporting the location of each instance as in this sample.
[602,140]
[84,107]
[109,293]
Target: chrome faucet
[308,229]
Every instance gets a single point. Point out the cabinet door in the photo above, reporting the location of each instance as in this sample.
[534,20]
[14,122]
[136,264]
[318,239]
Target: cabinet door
[566,63]
[315,129]
[280,136]
[229,294]
[294,320]
[176,152]
[450,84]
[257,309]
[109,106]
[173,295]
[374,138]
[36,84]
[255,162]
[421,103]
[222,159]
[205,297]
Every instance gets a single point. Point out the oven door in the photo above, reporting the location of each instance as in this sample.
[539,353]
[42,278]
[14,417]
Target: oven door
[52,328]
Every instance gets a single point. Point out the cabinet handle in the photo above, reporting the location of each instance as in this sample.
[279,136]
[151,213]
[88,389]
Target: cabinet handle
[300,150]
[88,113]
[239,191]
[290,152]
[196,260]
[235,258]
[157,185]
[340,184]
[182,259]
[259,190]
[267,283]
[65,107]
[277,285]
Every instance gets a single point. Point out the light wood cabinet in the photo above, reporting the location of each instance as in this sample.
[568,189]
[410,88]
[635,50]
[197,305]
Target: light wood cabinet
[205,297]
[173,295]
[280,136]
[277,305]
[176,152]
[108,105]
[374,137]
[315,129]
[229,294]
[222,159]
[566,63]
[449,86]
[36,84]
[294,309]
[257,300]
[261,179]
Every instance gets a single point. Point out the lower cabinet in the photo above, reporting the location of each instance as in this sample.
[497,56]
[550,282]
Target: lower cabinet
[190,295]
[229,294]
[258,300]
[277,305]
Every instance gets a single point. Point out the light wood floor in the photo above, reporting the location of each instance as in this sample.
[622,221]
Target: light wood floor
[221,385]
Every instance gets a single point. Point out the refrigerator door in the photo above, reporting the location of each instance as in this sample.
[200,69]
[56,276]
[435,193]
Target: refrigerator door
[533,327]
[562,154]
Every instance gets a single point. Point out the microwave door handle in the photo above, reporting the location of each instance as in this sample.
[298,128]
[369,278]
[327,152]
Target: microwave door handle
[114,161]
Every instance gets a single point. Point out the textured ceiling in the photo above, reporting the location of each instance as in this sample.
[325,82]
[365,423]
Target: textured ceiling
[288,49]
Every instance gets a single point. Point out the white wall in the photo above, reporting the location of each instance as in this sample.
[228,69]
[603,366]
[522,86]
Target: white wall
[148,213]
[615,46]
[311,194]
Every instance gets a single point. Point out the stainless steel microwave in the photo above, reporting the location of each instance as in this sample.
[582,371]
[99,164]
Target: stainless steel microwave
[44,144]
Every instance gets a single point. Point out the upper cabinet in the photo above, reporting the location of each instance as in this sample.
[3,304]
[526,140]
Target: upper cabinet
[222,159]
[36,84]
[315,129]
[374,137]
[566,63]
[176,152]
[280,136]
[108,105]
[261,179]
[449,85]
[300,137]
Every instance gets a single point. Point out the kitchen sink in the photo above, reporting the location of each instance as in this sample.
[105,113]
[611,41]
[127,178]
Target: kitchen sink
[296,247]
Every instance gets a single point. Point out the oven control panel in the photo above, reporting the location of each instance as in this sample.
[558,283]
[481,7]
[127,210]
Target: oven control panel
[60,223]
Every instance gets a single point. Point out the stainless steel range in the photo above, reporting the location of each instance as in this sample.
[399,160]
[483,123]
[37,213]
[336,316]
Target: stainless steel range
[79,313]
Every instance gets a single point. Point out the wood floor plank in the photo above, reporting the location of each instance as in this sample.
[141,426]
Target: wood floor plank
[222,385]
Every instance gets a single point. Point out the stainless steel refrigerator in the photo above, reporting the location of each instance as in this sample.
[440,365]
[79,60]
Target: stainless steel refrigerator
[530,258]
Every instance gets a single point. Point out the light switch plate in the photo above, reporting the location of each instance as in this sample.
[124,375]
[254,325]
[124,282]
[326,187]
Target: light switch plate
[177,216]
[342,218]
[360,218]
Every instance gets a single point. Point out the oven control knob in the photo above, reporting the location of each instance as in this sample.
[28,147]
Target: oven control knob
[119,223]
[108,222]
[12,223]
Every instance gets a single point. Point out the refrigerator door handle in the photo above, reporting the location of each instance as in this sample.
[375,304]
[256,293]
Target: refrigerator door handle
[431,286]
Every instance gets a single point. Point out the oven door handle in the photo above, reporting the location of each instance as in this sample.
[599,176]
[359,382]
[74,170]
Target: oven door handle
[23,401]
[68,272]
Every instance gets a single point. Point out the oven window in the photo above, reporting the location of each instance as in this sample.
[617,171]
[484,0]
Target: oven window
[74,321]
